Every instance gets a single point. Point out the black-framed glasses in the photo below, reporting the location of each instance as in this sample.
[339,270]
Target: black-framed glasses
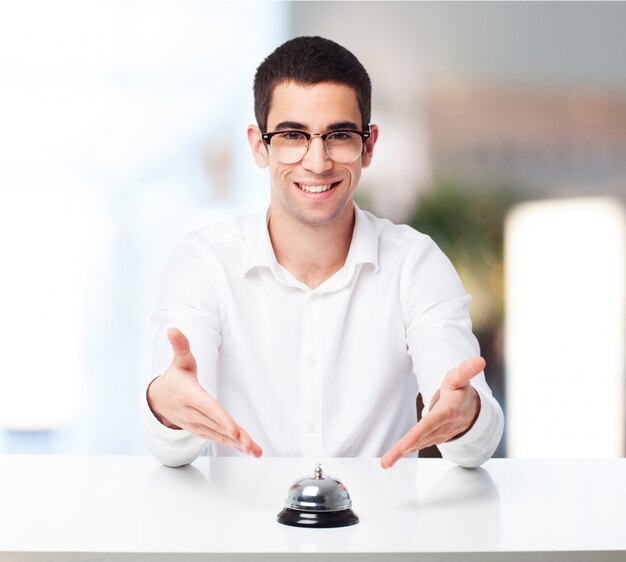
[291,146]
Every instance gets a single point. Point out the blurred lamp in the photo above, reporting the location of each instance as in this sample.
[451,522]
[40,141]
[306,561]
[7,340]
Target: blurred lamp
[565,328]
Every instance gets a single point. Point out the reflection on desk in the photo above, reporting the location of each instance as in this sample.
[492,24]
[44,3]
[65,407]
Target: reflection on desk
[102,508]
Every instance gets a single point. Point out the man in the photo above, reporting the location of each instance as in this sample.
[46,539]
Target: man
[310,329]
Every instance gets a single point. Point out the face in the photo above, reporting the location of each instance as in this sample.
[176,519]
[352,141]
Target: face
[316,108]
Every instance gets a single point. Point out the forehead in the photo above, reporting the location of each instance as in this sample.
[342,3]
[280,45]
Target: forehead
[313,105]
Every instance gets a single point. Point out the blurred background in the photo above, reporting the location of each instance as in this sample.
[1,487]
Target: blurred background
[503,136]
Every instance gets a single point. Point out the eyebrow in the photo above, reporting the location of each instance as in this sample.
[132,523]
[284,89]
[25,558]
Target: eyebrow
[284,125]
[341,125]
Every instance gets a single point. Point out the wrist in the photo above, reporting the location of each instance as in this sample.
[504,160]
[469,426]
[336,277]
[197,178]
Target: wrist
[476,414]
[151,391]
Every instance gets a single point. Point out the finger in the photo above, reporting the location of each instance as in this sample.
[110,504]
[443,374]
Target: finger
[400,450]
[391,456]
[217,415]
[402,446]
[211,408]
[198,417]
[431,422]
[440,435]
[207,433]
[191,419]
[415,438]
[461,375]
[434,399]
[248,445]
[202,425]
[183,358]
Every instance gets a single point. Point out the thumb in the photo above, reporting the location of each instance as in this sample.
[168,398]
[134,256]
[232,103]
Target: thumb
[183,358]
[461,375]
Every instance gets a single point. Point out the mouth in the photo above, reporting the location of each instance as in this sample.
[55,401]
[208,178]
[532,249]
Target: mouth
[320,188]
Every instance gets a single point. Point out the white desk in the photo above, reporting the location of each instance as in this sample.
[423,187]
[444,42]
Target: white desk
[79,508]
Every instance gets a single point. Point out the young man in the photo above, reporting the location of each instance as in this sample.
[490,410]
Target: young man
[315,325]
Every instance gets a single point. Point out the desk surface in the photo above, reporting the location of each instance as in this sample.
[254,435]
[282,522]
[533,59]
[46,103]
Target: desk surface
[73,508]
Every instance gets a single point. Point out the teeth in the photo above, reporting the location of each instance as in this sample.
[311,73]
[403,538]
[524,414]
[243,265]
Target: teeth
[315,188]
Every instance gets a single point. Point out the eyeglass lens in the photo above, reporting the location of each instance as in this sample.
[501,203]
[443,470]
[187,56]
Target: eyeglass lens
[342,147]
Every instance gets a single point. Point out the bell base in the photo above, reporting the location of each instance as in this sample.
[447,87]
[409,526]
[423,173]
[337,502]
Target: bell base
[317,519]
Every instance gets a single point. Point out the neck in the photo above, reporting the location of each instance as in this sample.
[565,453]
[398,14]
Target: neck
[311,253]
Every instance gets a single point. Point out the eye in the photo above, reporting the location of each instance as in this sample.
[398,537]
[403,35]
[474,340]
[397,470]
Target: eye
[339,136]
[293,136]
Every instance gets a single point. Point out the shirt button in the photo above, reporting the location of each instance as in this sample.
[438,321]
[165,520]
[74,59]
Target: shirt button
[311,429]
[312,361]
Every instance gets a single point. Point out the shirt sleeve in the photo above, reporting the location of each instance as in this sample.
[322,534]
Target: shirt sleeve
[188,300]
[439,337]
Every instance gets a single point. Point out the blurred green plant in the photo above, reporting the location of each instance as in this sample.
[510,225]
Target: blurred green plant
[468,225]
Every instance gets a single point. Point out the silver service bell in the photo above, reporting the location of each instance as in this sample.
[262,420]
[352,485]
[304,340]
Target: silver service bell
[318,501]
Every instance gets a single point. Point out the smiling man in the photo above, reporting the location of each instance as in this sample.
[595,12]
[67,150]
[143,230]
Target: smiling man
[309,329]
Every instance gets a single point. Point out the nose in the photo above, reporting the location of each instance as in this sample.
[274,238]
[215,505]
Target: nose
[316,159]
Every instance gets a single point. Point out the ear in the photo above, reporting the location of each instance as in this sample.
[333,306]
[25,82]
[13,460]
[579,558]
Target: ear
[259,148]
[368,147]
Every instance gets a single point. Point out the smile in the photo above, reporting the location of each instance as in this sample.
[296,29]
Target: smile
[316,188]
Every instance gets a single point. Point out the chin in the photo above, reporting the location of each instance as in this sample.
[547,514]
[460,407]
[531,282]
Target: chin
[326,217]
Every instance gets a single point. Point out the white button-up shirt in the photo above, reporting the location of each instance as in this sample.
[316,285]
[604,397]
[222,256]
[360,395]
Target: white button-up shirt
[330,371]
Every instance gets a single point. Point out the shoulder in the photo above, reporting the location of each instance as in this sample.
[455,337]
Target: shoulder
[401,239]
[414,259]
[218,245]
[225,235]
[222,238]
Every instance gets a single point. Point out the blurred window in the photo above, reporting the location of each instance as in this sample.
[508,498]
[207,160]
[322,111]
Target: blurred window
[112,146]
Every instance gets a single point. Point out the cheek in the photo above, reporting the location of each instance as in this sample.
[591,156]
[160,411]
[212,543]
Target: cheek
[355,176]
[279,177]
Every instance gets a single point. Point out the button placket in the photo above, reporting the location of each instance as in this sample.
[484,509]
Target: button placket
[311,380]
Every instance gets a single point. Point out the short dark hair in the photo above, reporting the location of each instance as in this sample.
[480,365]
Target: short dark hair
[306,61]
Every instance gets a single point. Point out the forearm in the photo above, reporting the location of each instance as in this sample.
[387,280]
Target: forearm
[187,301]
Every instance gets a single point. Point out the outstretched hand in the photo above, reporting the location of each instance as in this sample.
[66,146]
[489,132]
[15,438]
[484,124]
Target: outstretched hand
[453,410]
[179,402]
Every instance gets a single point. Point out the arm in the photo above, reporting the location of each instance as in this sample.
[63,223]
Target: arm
[180,413]
[463,418]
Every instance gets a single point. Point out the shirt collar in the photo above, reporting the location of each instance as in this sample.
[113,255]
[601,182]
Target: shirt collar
[364,244]
[259,252]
